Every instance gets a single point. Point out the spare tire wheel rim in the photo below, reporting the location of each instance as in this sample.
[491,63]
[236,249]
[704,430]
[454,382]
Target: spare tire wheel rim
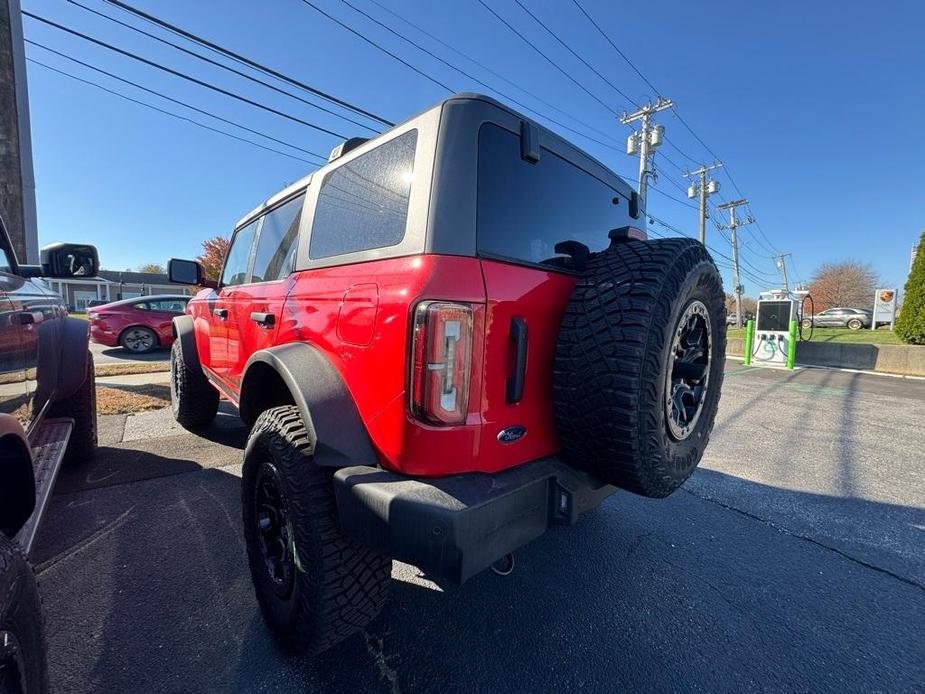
[688,373]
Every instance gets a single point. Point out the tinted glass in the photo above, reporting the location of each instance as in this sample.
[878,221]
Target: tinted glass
[238,256]
[6,263]
[168,305]
[525,209]
[364,203]
[276,245]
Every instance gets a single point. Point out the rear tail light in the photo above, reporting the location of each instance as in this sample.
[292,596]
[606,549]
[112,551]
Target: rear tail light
[441,360]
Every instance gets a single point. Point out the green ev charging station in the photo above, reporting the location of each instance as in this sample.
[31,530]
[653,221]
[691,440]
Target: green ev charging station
[771,339]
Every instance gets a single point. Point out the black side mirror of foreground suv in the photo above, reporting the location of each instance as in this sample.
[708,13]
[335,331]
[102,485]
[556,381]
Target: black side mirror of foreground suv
[65,260]
[187,272]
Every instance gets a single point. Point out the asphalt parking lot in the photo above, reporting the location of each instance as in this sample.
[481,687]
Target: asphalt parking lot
[103,354]
[793,560]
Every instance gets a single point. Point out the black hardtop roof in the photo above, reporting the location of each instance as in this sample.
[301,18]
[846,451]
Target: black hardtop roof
[461,97]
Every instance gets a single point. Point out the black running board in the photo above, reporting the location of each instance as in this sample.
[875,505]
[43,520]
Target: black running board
[48,449]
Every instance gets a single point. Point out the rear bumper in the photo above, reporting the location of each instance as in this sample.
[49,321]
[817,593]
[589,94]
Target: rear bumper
[454,527]
[103,336]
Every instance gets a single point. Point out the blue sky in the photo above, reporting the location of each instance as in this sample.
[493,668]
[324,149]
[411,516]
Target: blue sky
[816,108]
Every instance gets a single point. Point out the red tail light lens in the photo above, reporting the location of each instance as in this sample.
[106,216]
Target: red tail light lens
[441,362]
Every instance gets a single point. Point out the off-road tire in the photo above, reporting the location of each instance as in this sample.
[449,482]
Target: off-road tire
[339,586]
[81,407]
[193,400]
[854,324]
[611,364]
[22,641]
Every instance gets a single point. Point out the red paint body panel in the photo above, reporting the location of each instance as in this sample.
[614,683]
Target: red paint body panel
[539,297]
[112,321]
[360,317]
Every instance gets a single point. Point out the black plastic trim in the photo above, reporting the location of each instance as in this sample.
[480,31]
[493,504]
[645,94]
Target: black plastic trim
[72,370]
[454,527]
[186,338]
[327,407]
[514,390]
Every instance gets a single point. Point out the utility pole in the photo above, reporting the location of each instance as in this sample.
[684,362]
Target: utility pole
[734,224]
[703,189]
[646,140]
[782,266]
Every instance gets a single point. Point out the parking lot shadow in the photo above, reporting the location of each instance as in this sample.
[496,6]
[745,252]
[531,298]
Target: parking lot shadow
[149,590]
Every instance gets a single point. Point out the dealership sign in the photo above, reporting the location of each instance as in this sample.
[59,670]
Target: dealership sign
[884,307]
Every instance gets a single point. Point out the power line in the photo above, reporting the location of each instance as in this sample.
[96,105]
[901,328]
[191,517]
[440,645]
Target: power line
[221,65]
[184,76]
[376,45]
[171,99]
[712,250]
[165,112]
[474,78]
[247,61]
[677,114]
[501,77]
[575,53]
[544,56]
[614,46]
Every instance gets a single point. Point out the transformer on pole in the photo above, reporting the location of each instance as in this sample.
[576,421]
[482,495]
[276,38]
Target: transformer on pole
[646,140]
[703,189]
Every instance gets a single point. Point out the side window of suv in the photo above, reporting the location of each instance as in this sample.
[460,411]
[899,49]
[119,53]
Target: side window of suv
[277,243]
[363,204]
[6,264]
[239,256]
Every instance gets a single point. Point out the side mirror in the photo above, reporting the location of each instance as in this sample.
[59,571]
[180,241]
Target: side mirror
[64,260]
[187,272]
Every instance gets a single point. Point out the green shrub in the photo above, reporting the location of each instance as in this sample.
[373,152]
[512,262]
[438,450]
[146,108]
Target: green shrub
[910,325]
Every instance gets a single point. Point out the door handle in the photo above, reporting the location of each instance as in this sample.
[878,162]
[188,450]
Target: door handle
[29,317]
[515,383]
[220,312]
[264,319]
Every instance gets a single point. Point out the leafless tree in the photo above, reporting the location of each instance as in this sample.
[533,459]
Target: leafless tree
[847,283]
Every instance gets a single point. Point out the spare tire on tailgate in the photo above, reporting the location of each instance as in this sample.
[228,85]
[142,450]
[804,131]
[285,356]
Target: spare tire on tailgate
[639,364]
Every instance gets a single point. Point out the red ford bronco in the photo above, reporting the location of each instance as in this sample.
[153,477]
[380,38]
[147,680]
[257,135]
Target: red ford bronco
[445,340]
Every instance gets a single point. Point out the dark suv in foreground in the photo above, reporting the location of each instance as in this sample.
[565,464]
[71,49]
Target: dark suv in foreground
[445,340]
[47,416]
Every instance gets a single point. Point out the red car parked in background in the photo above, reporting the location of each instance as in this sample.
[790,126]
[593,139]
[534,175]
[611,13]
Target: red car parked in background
[139,324]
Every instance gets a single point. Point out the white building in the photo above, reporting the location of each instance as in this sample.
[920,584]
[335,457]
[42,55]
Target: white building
[112,285]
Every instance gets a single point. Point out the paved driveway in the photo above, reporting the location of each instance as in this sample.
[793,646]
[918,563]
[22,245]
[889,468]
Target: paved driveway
[793,560]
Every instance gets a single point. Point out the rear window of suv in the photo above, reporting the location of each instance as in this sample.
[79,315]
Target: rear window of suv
[525,208]
[363,204]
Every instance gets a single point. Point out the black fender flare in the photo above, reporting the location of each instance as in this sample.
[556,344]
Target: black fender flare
[75,345]
[185,337]
[328,410]
[17,480]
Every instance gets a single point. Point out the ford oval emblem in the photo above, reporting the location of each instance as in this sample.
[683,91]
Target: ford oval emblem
[511,434]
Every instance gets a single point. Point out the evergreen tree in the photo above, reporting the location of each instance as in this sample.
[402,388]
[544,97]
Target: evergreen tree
[910,325]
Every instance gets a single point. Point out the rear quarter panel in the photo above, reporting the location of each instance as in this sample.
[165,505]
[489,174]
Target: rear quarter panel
[333,308]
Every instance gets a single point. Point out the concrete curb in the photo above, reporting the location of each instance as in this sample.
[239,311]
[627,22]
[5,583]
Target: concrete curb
[154,377]
[906,360]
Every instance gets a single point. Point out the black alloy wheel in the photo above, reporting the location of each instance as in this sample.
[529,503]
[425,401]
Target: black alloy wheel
[274,530]
[688,371]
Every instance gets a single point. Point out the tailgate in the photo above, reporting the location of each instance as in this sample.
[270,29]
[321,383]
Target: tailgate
[524,305]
